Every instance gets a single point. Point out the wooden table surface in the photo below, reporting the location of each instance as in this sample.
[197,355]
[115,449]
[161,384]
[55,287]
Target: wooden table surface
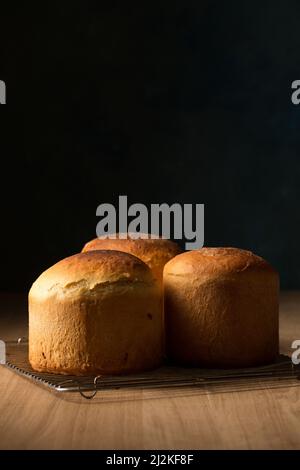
[31,417]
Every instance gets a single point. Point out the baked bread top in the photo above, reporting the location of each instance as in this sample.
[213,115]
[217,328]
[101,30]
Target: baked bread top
[155,252]
[217,262]
[84,272]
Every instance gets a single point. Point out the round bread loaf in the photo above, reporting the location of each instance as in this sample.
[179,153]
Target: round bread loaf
[95,312]
[155,252]
[221,308]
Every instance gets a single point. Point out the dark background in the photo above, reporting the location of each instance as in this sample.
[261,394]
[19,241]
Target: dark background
[171,101]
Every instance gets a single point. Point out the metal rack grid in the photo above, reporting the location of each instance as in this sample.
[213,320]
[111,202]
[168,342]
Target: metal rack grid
[280,374]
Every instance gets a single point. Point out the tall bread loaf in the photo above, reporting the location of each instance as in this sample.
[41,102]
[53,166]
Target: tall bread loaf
[95,312]
[221,308]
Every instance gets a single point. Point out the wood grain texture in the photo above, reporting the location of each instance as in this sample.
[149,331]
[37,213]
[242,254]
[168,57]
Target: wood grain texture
[34,418]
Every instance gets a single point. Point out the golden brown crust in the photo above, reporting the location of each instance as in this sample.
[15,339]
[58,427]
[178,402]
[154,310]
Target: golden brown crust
[83,272]
[97,312]
[216,261]
[154,252]
[221,308]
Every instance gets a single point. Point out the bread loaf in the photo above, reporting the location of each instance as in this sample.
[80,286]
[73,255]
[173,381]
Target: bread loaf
[95,312]
[221,308]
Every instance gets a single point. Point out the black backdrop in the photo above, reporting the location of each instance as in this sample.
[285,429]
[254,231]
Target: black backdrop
[171,101]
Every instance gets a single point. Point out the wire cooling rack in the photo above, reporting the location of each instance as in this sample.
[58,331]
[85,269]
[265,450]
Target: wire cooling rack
[283,373]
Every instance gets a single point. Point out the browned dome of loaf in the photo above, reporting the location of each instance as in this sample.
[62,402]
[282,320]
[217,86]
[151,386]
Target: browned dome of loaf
[87,270]
[155,252]
[210,261]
